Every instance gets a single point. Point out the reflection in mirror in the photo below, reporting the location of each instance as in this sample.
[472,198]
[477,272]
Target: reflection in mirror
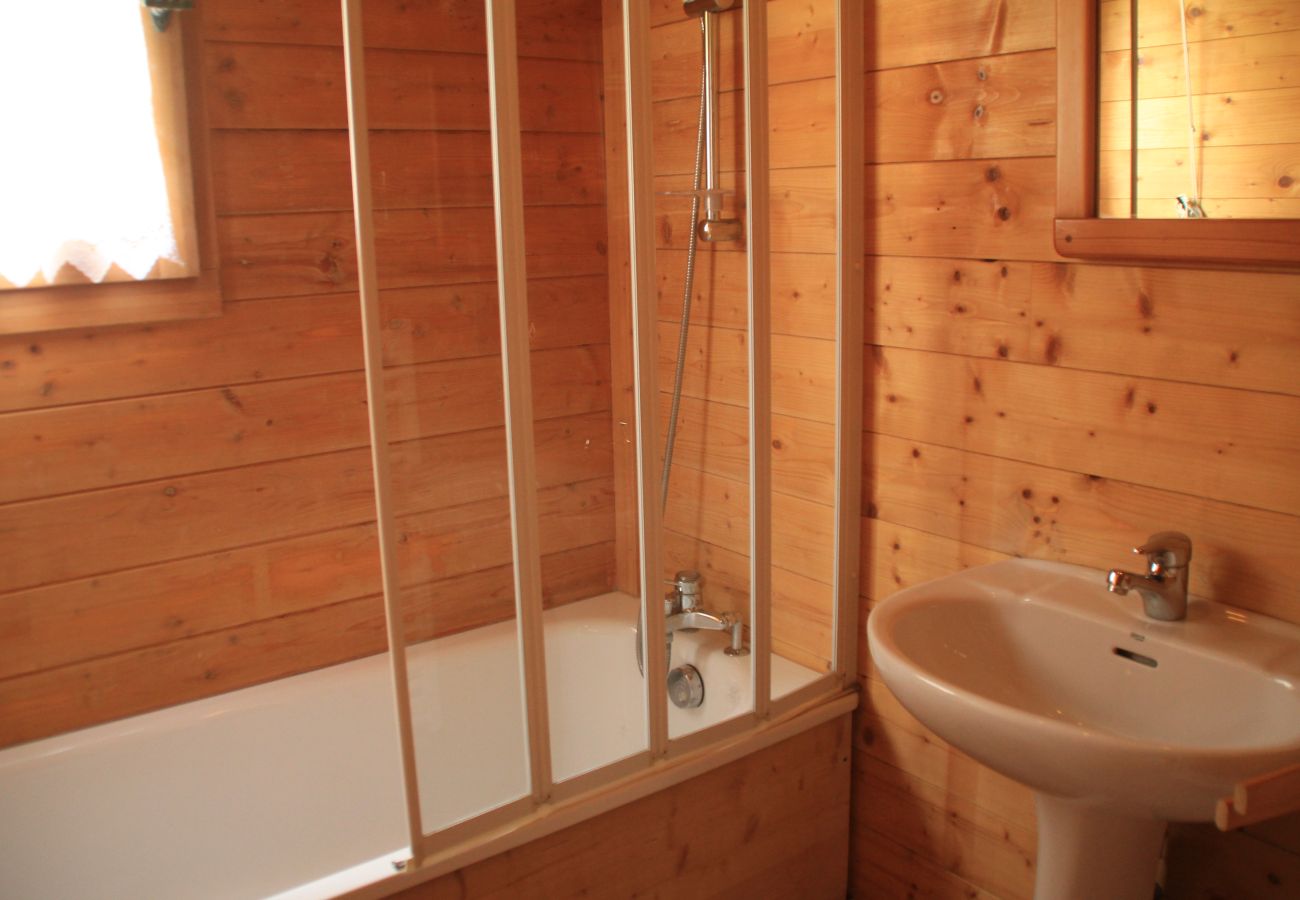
[1216,123]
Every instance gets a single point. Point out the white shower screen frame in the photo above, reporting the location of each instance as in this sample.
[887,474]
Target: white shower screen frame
[549,806]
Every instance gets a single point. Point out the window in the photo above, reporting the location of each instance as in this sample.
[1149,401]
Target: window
[102,218]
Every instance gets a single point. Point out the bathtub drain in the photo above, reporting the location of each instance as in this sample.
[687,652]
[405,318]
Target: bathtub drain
[686,687]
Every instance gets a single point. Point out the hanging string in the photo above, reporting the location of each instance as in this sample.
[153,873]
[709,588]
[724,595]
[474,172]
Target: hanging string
[1190,203]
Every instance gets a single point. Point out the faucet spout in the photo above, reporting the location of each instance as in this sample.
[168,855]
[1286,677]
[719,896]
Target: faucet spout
[703,620]
[696,619]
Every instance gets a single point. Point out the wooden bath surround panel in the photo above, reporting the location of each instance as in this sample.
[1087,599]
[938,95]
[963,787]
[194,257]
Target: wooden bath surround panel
[752,829]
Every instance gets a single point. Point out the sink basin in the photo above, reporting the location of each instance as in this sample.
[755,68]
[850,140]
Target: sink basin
[1120,723]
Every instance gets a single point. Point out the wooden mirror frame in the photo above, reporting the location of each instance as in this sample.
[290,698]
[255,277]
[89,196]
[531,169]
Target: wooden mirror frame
[1078,230]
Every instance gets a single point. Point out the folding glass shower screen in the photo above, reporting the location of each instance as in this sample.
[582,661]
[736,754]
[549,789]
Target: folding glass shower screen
[530,795]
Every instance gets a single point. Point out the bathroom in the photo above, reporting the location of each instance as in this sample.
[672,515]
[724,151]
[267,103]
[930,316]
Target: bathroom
[1016,402]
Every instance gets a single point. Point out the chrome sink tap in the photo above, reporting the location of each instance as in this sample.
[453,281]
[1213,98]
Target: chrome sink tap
[1164,586]
[683,613]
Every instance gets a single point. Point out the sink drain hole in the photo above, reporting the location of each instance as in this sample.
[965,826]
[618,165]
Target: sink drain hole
[1136,657]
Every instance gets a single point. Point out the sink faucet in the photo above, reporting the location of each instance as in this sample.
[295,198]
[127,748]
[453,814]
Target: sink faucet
[1164,587]
[682,612]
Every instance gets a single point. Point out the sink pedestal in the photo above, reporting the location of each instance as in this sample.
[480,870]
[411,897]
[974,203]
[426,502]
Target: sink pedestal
[1084,851]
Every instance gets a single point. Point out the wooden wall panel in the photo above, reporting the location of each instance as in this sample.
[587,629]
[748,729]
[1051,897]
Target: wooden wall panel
[926,31]
[307,171]
[801,130]
[1016,406]
[75,448]
[187,507]
[799,35]
[965,109]
[440,91]
[1156,323]
[268,256]
[1021,509]
[803,292]
[981,209]
[548,29]
[270,639]
[285,338]
[714,438]
[1194,438]
[964,839]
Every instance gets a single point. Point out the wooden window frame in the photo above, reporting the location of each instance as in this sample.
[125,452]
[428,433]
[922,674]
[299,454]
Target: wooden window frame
[66,306]
[1079,232]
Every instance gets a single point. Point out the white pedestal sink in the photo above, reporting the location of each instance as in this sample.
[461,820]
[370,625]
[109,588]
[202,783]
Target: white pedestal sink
[1118,722]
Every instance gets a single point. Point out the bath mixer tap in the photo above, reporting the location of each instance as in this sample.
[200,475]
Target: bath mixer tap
[699,619]
[1164,586]
[683,613]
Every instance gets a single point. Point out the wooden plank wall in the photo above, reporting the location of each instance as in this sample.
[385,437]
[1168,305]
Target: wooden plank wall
[1245,86]
[187,508]
[1021,404]
[707,518]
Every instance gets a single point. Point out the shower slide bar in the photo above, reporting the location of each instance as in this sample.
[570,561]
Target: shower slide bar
[549,806]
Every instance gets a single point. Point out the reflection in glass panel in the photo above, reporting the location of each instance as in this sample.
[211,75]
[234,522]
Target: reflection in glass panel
[1215,124]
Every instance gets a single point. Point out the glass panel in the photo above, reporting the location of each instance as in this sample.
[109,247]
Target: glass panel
[803,155]
[435,235]
[1216,131]
[590,575]
[703,364]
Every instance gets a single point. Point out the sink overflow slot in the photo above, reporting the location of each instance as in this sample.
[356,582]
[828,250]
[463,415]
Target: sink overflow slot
[1136,657]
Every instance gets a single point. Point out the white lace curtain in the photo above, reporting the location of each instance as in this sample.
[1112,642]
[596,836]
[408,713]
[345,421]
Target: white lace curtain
[81,175]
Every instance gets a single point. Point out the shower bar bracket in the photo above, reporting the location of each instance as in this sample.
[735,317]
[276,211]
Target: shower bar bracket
[713,227]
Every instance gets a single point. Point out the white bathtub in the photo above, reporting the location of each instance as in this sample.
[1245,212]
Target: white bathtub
[294,788]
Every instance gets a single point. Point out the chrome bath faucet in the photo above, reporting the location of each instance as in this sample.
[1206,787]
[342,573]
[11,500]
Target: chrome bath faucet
[683,613]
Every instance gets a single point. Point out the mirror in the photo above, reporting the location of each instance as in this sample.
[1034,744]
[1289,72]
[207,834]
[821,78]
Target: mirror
[1213,176]
[1214,132]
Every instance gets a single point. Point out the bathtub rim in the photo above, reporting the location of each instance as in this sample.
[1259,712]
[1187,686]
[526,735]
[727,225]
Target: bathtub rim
[819,702]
